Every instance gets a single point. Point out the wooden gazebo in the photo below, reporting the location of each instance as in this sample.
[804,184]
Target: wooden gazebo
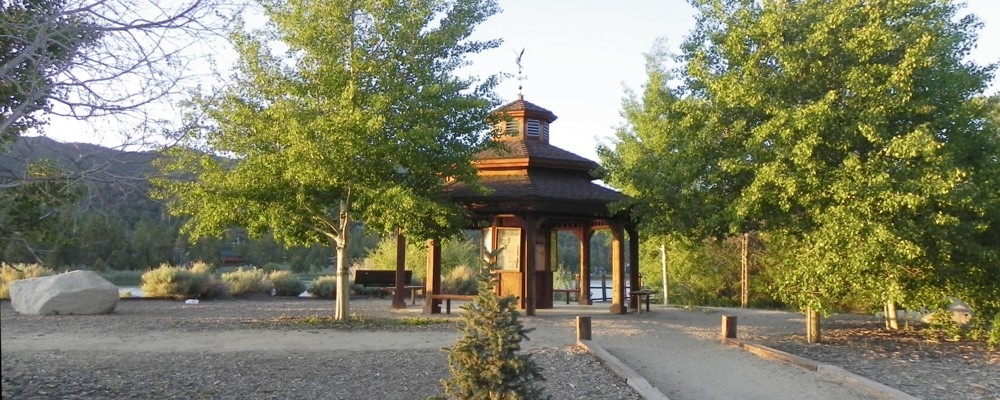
[538,189]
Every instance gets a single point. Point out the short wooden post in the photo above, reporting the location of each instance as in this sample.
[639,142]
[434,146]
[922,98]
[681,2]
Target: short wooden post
[582,328]
[728,327]
[812,326]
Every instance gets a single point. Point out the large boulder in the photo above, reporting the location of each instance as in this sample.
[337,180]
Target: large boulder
[76,292]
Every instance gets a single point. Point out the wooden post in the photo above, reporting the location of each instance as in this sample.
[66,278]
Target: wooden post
[618,305]
[432,282]
[728,327]
[583,328]
[812,326]
[584,296]
[398,299]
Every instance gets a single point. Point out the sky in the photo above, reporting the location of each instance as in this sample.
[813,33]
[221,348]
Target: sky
[580,56]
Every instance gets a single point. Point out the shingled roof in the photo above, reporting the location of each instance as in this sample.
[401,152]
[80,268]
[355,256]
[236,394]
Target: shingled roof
[523,105]
[538,153]
[538,186]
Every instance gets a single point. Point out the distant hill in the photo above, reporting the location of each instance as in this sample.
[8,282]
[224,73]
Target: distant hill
[76,158]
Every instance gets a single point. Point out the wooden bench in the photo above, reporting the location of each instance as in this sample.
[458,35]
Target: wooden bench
[449,297]
[568,293]
[639,294]
[385,281]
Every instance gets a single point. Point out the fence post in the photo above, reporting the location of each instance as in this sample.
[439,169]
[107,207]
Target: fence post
[728,327]
[582,328]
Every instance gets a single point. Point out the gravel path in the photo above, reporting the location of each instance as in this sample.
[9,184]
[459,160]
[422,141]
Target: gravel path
[268,348]
[243,350]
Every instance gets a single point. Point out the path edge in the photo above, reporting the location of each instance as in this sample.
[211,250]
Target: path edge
[832,372]
[632,378]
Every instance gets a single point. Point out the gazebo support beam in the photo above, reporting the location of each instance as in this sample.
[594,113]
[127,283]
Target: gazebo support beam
[531,224]
[584,234]
[618,305]
[633,262]
[432,282]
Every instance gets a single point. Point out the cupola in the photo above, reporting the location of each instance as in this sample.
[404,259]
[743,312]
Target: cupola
[524,121]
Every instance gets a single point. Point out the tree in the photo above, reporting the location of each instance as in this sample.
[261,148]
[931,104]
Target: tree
[358,113]
[853,132]
[109,64]
[91,58]
[485,362]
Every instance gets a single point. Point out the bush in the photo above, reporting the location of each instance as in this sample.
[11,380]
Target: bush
[323,287]
[486,362]
[273,266]
[460,280]
[14,272]
[179,282]
[454,252]
[285,283]
[243,281]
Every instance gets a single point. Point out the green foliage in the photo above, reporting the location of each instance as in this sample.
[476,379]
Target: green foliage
[13,272]
[377,82]
[285,283]
[853,134]
[993,335]
[323,287]
[486,362]
[461,279]
[167,281]
[40,39]
[243,281]
[455,252]
[123,278]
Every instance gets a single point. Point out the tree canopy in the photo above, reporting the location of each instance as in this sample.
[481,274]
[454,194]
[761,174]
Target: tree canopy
[339,109]
[855,134]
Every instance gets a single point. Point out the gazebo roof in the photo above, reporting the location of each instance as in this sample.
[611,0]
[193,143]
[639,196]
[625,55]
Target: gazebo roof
[530,174]
[521,105]
[538,186]
[534,154]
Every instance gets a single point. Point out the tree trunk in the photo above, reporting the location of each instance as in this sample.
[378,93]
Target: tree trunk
[663,265]
[343,277]
[812,326]
[745,270]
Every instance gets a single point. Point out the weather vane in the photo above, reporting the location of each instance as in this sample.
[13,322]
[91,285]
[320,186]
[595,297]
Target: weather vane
[520,69]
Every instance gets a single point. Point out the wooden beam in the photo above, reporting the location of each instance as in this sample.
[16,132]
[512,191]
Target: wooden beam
[432,282]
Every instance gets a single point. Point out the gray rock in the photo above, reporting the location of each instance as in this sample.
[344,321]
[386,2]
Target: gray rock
[75,292]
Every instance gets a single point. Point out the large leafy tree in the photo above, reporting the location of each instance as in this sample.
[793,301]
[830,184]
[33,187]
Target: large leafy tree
[339,110]
[854,133]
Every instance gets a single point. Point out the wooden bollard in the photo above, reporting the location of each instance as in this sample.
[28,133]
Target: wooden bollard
[582,328]
[728,327]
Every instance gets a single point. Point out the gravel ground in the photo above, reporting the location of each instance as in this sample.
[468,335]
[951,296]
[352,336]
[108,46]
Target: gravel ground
[145,351]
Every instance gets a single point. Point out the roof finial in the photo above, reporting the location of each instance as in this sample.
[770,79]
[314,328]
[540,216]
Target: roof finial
[520,76]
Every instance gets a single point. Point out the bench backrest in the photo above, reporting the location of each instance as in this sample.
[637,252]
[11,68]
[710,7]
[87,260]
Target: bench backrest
[370,277]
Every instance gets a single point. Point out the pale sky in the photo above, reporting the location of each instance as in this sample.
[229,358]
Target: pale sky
[580,55]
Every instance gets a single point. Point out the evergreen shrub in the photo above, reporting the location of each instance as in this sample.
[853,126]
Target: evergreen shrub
[486,362]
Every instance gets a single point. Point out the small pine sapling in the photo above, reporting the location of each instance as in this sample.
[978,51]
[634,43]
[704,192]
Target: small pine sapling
[485,363]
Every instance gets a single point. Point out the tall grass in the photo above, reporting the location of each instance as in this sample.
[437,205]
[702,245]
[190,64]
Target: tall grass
[285,283]
[169,281]
[243,281]
[13,272]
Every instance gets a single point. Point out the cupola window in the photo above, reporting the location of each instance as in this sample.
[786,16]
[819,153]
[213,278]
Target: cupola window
[533,128]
